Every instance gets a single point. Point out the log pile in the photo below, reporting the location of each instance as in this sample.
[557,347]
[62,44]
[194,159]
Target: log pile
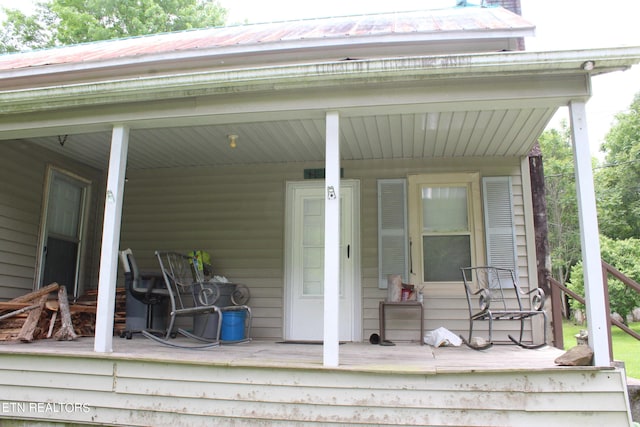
[46,313]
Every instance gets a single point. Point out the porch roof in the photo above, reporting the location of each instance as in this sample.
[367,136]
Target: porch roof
[461,105]
[397,94]
[466,29]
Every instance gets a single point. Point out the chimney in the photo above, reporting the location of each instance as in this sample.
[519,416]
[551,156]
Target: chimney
[511,5]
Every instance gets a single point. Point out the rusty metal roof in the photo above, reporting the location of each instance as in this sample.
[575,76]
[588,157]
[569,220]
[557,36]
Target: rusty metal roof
[454,24]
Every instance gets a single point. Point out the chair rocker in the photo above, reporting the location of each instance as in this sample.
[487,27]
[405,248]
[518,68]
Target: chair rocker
[493,294]
[180,278]
[208,293]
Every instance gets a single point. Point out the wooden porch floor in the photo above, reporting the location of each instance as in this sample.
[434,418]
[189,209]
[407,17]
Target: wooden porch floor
[265,383]
[404,357]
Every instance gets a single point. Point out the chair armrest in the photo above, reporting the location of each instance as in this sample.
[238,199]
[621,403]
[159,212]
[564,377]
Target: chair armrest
[154,279]
[151,275]
[537,297]
[484,301]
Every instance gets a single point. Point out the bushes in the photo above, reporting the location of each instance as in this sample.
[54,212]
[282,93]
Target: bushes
[624,255]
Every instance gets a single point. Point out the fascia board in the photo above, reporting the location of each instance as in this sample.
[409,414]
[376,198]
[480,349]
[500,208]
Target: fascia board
[315,75]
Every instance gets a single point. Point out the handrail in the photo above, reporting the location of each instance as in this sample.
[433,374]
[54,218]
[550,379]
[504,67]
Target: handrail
[620,276]
[606,269]
[563,288]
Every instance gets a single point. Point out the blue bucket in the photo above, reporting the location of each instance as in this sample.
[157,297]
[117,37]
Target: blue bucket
[232,328]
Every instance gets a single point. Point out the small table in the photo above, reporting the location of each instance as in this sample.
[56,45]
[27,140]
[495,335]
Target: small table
[405,304]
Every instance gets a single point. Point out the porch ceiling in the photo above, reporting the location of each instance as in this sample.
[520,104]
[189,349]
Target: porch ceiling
[499,132]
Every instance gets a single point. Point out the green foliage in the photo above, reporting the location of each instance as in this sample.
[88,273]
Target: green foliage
[618,184]
[624,256]
[65,22]
[560,190]
[625,347]
[20,31]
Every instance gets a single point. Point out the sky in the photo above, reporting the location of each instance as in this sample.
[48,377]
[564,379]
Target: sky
[560,24]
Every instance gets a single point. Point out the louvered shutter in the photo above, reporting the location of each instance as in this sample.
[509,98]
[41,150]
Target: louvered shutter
[499,223]
[393,240]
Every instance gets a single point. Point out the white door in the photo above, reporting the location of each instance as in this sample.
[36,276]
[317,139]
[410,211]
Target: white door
[304,289]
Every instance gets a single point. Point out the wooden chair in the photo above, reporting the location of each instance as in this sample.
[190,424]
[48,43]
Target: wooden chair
[181,278]
[493,294]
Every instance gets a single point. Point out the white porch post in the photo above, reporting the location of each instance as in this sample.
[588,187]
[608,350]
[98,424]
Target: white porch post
[332,240]
[111,240]
[589,235]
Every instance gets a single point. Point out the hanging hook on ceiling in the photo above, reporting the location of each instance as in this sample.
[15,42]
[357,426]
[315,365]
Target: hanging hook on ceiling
[62,140]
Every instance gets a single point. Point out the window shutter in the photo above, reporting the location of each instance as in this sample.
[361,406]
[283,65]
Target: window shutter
[393,240]
[499,223]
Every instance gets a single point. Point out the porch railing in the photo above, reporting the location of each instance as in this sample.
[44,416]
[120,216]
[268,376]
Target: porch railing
[556,303]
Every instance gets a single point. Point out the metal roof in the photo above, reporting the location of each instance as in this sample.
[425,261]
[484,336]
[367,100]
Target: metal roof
[447,24]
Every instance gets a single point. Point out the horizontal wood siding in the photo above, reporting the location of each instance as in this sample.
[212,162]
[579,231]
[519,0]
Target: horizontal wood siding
[22,180]
[141,393]
[442,308]
[237,215]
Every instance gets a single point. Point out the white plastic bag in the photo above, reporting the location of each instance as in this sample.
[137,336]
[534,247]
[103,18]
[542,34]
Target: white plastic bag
[442,337]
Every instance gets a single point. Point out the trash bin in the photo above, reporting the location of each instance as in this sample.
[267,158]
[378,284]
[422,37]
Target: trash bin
[206,325]
[233,325]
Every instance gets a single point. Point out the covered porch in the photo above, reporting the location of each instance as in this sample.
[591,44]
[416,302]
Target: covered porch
[266,382]
[168,140]
[161,123]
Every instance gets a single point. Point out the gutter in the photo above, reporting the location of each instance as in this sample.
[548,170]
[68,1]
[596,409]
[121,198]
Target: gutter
[316,75]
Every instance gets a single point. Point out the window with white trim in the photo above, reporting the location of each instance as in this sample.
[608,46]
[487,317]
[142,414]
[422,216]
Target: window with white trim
[444,222]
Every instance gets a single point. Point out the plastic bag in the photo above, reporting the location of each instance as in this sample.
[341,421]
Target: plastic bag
[442,337]
[203,261]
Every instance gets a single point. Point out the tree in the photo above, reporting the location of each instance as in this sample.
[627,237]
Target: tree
[618,182]
[560,189]
[623,255]
[65,22]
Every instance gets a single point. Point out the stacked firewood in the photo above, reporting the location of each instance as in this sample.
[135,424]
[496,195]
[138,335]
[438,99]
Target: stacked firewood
[46,313]
[85,322]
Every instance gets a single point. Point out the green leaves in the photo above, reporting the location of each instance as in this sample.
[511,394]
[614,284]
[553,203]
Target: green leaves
[560,190]
[624,256]
[617,185]
[66,22]
[618,182]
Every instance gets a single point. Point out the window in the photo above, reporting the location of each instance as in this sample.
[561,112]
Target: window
[443,209]
[446,238]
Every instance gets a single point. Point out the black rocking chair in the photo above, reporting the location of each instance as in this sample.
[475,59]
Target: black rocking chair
[499,297]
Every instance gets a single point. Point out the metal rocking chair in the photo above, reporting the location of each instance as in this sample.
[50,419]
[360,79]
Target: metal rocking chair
[499,297]
[181,276]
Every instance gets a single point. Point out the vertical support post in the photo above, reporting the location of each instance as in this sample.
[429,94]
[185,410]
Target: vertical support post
[589,236]
[332,241]
[111,240]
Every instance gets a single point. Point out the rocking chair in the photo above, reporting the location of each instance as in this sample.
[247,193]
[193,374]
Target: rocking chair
[499,297]
[181,276]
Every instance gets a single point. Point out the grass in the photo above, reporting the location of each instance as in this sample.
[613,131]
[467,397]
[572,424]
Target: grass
[625,347]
